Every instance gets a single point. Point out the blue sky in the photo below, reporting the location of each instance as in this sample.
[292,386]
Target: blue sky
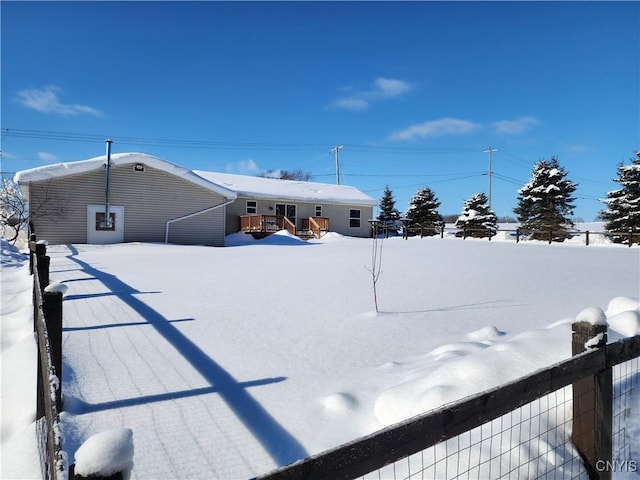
[414,91]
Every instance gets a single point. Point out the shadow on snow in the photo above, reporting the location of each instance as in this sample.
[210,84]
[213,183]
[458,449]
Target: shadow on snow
[279,443]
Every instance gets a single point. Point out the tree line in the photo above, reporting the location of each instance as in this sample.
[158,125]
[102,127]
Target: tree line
[545,206]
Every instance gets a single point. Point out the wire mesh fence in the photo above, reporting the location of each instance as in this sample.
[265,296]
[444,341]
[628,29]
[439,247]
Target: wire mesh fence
[533,441]
[626,405]
[566,421]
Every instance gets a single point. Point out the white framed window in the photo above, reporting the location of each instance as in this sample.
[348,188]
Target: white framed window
[252,207]
[354,218]
[318,210]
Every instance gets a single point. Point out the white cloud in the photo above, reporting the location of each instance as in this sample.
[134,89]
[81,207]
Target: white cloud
[517,126]
[46,100]
[390,87]
[47,157]
[436,128]
[243,167]
[382,89]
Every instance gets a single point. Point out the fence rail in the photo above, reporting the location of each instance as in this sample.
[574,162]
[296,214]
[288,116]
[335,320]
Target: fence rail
[412,437]
[47,317]
[631,236]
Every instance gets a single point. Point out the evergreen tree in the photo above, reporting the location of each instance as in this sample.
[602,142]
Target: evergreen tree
[623,212]
[423,212]
[546,203]
[388,211]
[477,217]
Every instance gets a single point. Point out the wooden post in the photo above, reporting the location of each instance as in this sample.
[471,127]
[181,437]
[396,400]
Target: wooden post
[630,237]
[517,235]
[442,231]
[32,250]
[550,236]
[43,271]
[587,234]
[593,405]
[464,232]
[52,309]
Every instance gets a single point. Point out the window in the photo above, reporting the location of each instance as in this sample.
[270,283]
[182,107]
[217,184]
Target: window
[100,222]
[252,207]
[354,218]
[318,210]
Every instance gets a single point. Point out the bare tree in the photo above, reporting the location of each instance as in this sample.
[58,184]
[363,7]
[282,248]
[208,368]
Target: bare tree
[376,263]
[16,212]
[297,174]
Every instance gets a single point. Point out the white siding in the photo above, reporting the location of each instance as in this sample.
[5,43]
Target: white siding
[338,215]
[150,198]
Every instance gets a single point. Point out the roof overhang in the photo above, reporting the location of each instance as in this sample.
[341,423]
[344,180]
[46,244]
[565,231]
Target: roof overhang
[59,170]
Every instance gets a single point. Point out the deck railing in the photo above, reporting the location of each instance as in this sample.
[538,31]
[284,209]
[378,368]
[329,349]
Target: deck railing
[266,224]
[319,225]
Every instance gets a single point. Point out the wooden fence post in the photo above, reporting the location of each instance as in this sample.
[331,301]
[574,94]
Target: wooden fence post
[630,237]
[550,236]
[587,234]
[517,235]
[32,250]
[593,405]
[52,309]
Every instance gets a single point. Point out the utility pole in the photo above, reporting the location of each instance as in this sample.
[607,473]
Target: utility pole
[336,150]
[490,152]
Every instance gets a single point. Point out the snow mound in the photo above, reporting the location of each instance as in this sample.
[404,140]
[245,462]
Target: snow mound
[485,334]
[626,323]
[239,238]
[592,315]
[282,237]
[331,236]
[622,304]
[106,453]
[340,402]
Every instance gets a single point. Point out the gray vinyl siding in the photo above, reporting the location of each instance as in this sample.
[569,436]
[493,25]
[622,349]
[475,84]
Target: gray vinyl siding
[338,214]
[149,198]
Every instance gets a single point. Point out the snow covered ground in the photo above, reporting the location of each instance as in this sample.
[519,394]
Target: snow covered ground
[227,362]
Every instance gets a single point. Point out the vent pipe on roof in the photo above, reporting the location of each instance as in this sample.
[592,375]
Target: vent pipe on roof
[107,213]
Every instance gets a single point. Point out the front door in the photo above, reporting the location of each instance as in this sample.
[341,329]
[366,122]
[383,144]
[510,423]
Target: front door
[99,230]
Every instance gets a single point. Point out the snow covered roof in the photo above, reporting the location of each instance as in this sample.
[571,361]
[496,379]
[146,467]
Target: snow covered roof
[47,172]
[225,184]
[271,188]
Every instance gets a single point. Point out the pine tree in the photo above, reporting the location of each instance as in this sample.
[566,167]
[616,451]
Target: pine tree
[623,213]
[423,212]
[388,211]
[545,204]
[477,217]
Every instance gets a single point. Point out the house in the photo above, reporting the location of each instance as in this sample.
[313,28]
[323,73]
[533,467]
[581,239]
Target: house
[264,205]
[151,200]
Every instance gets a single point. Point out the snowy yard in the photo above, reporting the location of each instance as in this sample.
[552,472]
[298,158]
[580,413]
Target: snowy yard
[228,362]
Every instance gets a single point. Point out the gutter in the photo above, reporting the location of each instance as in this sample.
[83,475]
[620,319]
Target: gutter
[184,217]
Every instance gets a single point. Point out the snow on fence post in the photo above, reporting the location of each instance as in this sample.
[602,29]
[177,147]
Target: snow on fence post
[52,310]
[593,402]
[107,455]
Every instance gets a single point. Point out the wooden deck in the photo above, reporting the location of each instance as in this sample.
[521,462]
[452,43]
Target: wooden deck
[263,225]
